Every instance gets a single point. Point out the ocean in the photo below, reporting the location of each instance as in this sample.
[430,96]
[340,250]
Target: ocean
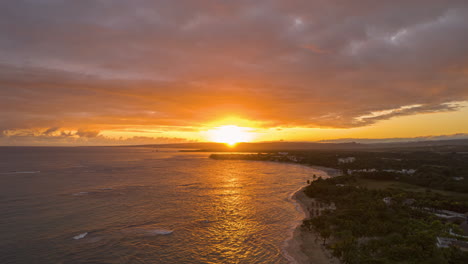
[138,205]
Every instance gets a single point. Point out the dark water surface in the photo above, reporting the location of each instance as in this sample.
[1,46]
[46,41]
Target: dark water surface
[133,205]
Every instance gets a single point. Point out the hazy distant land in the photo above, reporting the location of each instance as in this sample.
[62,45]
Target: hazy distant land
[442,145]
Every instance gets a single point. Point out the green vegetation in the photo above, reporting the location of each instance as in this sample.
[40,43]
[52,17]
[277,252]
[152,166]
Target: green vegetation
[395,184]
[365,229]
[446,171]
[402,229]
[436,170]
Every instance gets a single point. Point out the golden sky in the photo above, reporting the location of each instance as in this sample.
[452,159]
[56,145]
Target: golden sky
[142,72]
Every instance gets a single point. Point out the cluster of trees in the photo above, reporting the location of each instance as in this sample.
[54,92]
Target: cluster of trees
[364,229]
[439,177]
[433,177]
[438,170]
[445,171]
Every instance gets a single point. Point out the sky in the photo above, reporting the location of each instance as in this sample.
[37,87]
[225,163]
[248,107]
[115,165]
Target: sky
[102,72]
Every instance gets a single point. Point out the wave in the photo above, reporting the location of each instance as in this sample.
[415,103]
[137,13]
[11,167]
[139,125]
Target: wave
[289,242]
[189,184]
[158,232]
[80,193]
[80,236]
[205,221]
[20,172]
[146,229]
[119,190]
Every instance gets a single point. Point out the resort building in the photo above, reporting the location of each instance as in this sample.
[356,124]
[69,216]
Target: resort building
[446,242]
[347,160]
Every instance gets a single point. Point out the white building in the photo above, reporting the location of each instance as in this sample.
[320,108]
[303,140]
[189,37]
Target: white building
[445,242]
[387,200]
[347,160]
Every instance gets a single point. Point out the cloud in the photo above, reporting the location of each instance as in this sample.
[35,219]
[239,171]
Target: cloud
[102,65]
[315,49]
[87,134]
[402,111]
[392,140]
[57,136]
[51,130]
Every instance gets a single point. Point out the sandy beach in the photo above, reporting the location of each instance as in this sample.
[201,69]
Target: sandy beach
[305,247]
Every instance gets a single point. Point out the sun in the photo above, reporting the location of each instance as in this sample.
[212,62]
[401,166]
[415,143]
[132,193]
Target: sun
[230,134]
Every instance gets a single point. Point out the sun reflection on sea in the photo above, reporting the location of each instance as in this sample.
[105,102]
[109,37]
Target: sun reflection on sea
[235,226]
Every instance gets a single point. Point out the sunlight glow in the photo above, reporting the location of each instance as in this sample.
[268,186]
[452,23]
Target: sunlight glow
[230,134]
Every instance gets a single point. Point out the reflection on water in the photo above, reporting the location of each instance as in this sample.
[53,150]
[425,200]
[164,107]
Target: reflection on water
[132,205]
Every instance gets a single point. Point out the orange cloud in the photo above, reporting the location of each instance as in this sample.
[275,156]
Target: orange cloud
[316,49]
[182,65]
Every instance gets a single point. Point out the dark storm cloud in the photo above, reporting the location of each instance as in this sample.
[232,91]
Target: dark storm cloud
[323,63]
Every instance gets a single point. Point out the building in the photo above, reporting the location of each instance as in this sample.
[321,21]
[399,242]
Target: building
[387,200]
[445,242]
[346,160]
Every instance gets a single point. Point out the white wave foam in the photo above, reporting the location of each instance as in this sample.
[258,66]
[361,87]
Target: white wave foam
[287,244]
[80,193]
[80,236]
[159,232]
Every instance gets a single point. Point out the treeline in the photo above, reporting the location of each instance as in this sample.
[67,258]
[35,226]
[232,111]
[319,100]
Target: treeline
[433,177]
[364,229]
[444,171]
[450,164]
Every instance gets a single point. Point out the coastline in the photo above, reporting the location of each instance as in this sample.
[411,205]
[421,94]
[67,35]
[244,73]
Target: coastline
[331,172]
[304,246]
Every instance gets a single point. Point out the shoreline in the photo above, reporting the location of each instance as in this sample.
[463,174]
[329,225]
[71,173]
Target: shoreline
[331,172]
[304,246]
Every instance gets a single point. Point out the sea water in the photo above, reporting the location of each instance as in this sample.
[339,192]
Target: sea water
[139,205]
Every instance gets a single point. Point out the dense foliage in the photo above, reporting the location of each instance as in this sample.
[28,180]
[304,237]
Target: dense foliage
[364,229]
[436,170]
